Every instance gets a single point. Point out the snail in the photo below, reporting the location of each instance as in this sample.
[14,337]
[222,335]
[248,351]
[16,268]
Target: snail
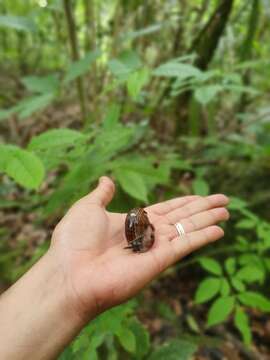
[139,231]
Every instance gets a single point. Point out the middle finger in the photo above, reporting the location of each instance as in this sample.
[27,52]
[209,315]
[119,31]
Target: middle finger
[197,206]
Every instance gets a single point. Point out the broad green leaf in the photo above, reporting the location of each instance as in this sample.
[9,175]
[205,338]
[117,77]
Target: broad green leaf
[142,338]
[106,144]
[255,300]
[34,103]
[207,93]
[230,266]
[178,70]
[67,354]
[127,339]
[22,166]
[237,204]
[210,265]
[55,138]
[136,81]
[80,67]
[174,350]
[249,274]
[225,287]
[200,187]
[207,289]
[220,310]
[126,63]
[238,284]
[246,224]
[41,84]
[242,324]
[20,23]
[132,183]
[112,116]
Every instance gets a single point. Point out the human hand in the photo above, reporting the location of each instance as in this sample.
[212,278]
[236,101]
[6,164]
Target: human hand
[89,244]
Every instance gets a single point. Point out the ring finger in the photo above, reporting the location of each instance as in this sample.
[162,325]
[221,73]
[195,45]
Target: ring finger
[199,221]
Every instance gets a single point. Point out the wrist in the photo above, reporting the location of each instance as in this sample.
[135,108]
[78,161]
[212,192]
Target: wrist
[44,321]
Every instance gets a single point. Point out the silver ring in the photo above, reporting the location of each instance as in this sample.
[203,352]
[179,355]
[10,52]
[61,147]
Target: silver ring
[180,229]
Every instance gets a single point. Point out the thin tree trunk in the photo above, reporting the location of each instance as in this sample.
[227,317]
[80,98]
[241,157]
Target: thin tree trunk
[247,47]
[204,46]
[74,52]
[207,41]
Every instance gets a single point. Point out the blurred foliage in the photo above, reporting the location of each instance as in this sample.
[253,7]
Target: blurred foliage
[168,98]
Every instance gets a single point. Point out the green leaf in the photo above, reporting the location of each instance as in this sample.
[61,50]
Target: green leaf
[82,66]
[20,23]
[225,287]
[230,266]
[220,310]
[238,285]
[126,63]
[6,113]
[255,300]
[178,70]
[174,350]
[142,338]
[246,224]
[237,204]
[249,274]
[34,103]
[207,289]
[210,265]
[112,116]
[132,183]
[41,84]
[127,339]
[241,322]
[200,187]
[142,32]
[165,311]
[136,81]
[22,166]
[207,93]
[55,138]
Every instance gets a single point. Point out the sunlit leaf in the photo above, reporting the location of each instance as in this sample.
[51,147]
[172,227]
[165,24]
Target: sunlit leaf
[255,300]
[210,265]
[242,324]
[55,138]
[132,183]
[207,289]
[22,166]
[220,310]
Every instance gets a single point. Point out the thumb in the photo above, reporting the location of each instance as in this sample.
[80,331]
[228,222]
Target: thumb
[103,193]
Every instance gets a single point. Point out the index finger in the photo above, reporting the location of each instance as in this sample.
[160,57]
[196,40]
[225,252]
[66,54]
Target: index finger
[165,207]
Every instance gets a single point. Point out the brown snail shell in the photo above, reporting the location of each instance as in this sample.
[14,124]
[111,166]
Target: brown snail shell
[139,231]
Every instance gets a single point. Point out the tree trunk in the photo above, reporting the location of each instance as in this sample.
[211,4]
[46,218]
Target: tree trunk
[204,46]
[74,52]
[246,49]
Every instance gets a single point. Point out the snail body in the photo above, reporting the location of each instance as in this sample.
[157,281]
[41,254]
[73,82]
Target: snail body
[139,231]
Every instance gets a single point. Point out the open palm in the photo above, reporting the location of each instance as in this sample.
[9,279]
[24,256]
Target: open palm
[90,241]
